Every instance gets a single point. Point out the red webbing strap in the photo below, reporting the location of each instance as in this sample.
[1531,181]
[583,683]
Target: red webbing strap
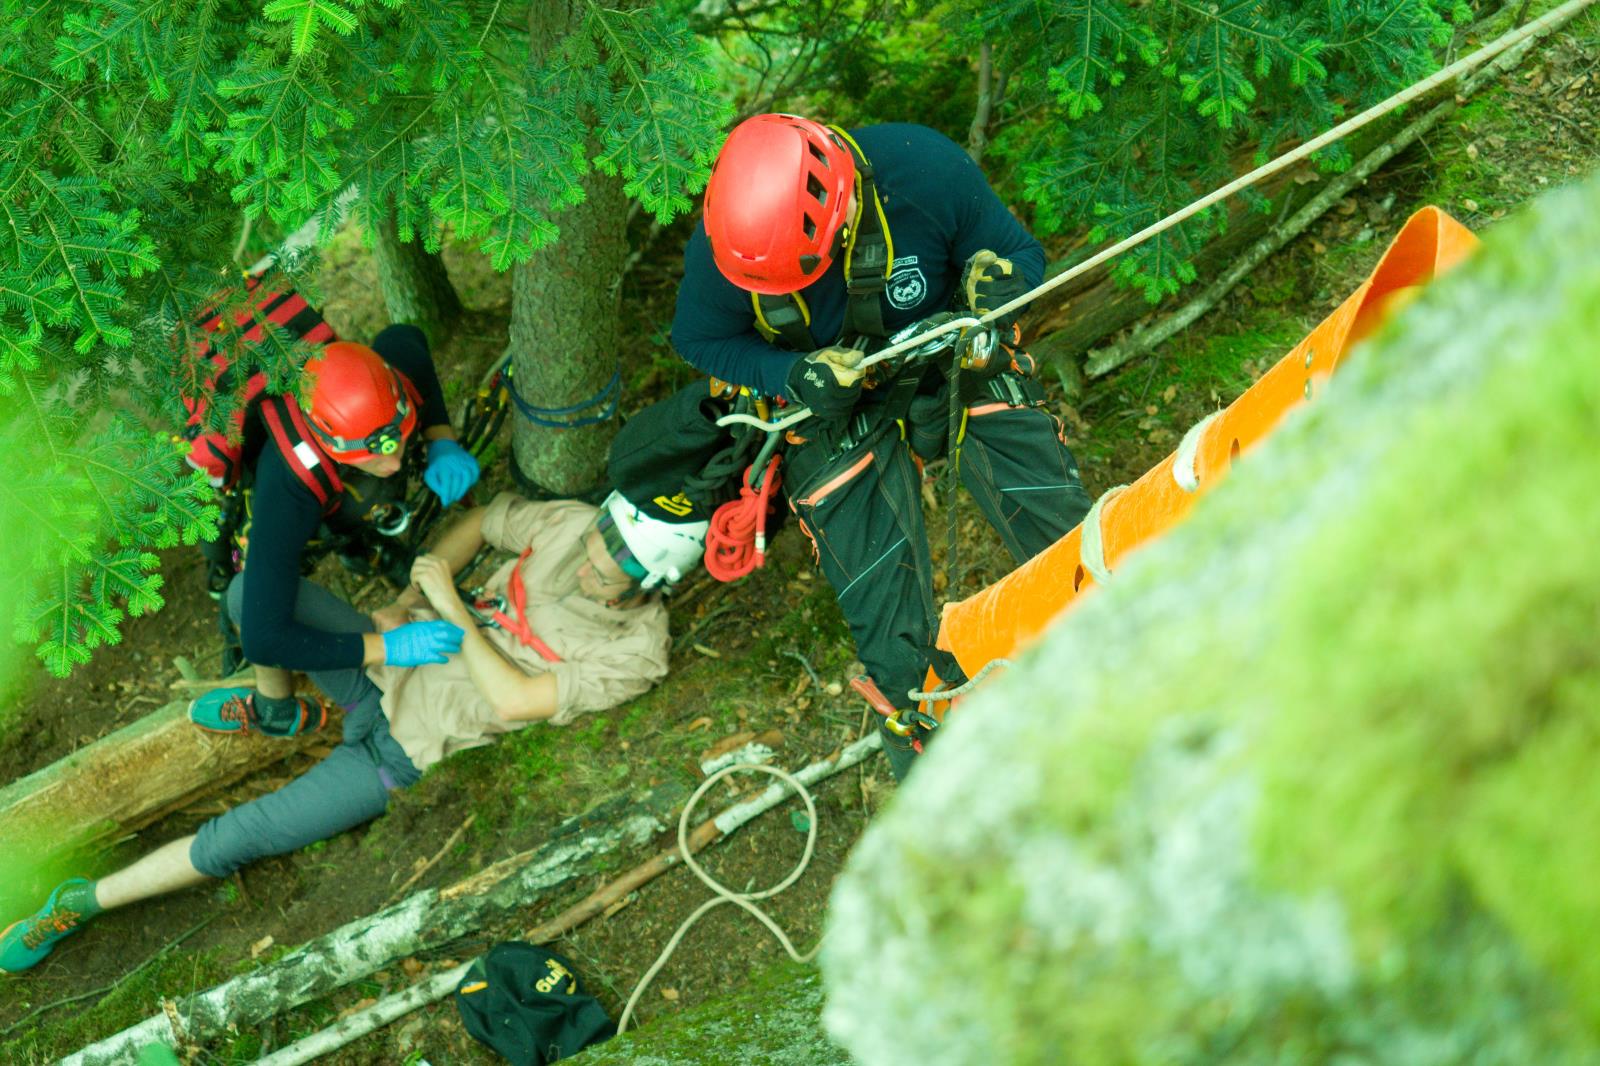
[518,626]
[288,428]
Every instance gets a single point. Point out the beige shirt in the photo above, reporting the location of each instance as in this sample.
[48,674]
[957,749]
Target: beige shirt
[607,654]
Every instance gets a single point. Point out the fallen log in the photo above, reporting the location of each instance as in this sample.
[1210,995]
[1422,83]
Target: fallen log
[129,779]
[440,985]
[1103,361]
[1070,319]
[1067,321]
[428,919]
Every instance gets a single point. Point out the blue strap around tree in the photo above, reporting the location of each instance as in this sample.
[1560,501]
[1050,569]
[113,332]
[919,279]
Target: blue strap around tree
[551,417]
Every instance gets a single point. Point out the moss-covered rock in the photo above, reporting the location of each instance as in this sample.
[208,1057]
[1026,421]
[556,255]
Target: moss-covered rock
[1313,778]
[774,1022]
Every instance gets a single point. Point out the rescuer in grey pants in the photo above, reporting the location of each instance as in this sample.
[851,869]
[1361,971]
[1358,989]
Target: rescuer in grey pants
[349,787]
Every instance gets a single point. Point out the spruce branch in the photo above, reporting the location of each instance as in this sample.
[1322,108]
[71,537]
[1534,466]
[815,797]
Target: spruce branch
[660,130]
[117,37]
[305,16]
[197,105]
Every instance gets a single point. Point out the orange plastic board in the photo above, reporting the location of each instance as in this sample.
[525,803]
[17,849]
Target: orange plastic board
[1009,615]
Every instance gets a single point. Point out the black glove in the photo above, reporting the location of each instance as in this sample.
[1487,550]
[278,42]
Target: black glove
[989,281]
[827,381]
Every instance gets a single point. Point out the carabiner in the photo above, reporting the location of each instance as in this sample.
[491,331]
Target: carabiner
[391,519]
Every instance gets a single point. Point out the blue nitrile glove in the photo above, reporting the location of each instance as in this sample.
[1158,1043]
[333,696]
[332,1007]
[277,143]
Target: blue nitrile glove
[420,643]
[451,470]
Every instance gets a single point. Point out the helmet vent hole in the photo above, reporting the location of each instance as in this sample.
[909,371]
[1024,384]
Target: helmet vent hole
[816,190]
[810,226]
[817,154]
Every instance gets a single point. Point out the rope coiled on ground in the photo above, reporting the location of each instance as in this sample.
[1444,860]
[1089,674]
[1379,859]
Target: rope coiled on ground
[723,893]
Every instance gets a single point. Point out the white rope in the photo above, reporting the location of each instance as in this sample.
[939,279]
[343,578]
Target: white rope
[799,415]
[1091,545]
[1183,471]
[723,893]
[440,985]
[1350,125]
[959,690]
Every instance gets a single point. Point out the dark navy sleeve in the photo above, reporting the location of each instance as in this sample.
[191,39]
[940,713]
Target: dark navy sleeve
[932,175]
[980,220]
[284,517]
[405,347]
[714,326]
[983,222]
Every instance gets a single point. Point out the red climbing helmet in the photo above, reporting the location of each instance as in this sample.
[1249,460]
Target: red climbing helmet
[776,202]
[357,404]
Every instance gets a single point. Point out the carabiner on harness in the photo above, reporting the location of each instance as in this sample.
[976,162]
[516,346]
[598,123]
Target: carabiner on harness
[391,519]
[491,611]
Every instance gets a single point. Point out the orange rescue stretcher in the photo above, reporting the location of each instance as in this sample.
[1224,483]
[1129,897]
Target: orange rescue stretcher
[1008,616]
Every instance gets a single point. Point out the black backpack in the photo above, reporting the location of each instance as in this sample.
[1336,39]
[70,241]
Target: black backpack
[528,1004]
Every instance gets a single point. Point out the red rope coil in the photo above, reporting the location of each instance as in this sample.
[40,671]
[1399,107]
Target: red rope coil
[737,541]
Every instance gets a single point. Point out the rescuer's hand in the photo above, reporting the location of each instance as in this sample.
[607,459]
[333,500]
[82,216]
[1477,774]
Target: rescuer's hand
[451,470]
[828,381]
[421,643]
[988,282]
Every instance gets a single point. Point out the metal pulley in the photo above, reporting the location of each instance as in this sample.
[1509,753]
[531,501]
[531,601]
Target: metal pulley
[977,347]
[932,347]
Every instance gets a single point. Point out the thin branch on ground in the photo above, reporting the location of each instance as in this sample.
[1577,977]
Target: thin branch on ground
[710,616]
[108,988]
[455,838]
[791,653]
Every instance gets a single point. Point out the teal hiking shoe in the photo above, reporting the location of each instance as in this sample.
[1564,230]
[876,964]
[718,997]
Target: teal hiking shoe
[25,944]
[233,710]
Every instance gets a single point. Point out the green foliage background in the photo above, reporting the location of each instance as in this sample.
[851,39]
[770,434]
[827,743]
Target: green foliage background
[138,135]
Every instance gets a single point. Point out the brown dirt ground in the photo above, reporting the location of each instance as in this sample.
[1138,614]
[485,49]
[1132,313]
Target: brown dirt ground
[1119,428]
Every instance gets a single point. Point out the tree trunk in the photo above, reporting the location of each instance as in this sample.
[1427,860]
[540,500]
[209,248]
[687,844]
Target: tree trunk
[1322,751]
[564,312]
[416,288]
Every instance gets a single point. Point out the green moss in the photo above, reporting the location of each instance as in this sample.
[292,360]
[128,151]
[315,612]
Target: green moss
[1528,838]
[1452,679]
[1222,361]
[773,1022]
[1311,778]
[130,1002]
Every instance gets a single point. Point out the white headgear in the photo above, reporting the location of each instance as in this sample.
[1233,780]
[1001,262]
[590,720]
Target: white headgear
[665,550]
